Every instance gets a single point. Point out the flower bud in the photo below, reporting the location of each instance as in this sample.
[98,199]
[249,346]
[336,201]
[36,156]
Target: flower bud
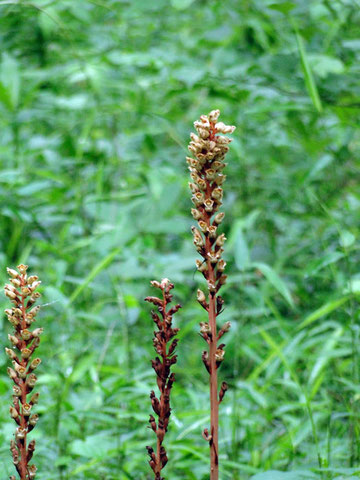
[204,133]
[220,179]
[202,184]
[205,327]
[20,432]
[26,334]
[35,363]
[221,240]
[22,268]
[32,471]
[194,188]
[212,231]
[20,370]
[31,380]
[26,353]
[201,298]
[13,413]
[12,273]
[14,340]
[32,279]
[214,115]
[221,265]
[196,213]
[201,265]
[34,311]
[197,199]
[10,294]
[217,194]
[219,217]
[34,419]
[209,205]
[16,391]
[26,409]
[10,353]
[213,257]
[34,399]
[11,373]
[203,226]
[35,285]
[210,174]
[219,355]
[37,332]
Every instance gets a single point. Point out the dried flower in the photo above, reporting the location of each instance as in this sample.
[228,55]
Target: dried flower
[206,169]
[165,346]
[22,293]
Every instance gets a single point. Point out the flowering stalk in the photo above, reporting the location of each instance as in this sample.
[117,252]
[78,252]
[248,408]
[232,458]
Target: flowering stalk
[209,150]
[22,294]
[165,346]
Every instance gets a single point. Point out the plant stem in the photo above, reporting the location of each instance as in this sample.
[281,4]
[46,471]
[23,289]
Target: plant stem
[214,403]
[207,177]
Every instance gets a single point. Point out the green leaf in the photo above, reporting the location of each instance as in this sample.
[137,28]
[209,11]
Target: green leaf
[284,7]
[309,79]
[322,311]
[277,475]
[275,281]
[346,238]
[9,81]
[94,272]
[242,254]
[323,65]
[181,4]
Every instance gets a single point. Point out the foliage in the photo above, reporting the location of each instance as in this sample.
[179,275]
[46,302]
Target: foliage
[97,99]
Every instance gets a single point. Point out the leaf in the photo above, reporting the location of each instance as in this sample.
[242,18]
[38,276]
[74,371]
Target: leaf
[323,65]
[95,446]
[277,475]
[322,311]
[242,254]
[325,355]
[9,81]
[94,272]
[181,4]
[275,281]
[284,7]
[309,79]
[346,238]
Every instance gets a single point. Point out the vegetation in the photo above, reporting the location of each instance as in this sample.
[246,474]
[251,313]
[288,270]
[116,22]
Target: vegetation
[96,103]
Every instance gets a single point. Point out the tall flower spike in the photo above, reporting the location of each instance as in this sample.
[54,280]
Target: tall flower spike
[206,170]
[21,291]
[165,346]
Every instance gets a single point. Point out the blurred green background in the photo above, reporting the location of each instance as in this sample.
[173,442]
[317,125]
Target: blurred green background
[97,99]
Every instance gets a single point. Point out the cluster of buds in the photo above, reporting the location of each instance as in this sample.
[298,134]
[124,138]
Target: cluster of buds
[206,171]
[22,293]
[165,346]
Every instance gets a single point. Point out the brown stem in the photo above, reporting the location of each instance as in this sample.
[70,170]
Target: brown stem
[23,466]
[165,346]
[214,404]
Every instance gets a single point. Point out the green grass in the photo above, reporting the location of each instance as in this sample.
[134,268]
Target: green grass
[96,105]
